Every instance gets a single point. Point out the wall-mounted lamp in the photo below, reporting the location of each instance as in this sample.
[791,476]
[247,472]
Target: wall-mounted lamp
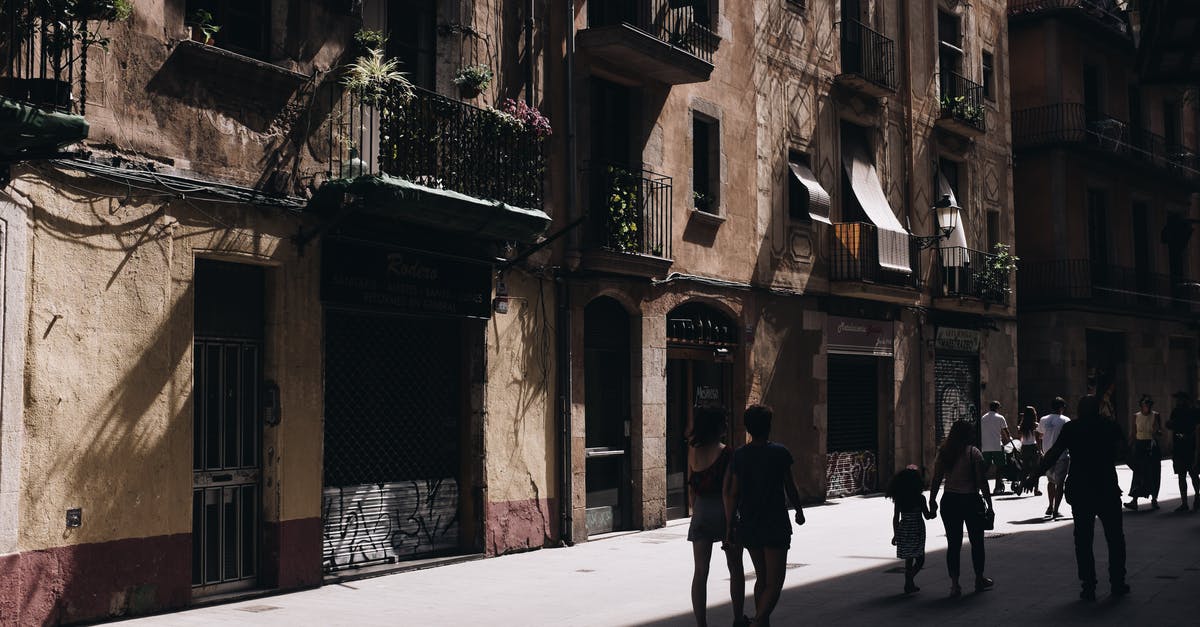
[945,216]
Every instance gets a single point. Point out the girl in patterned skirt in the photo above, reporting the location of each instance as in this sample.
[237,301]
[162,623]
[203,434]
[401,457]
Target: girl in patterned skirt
[908,522]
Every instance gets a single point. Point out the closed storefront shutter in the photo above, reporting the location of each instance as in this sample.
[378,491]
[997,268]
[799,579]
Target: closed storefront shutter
[853,425]
[956,379]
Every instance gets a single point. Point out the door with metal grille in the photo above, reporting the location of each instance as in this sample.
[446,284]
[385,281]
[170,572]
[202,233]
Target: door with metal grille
[227,426]
[853,425]
[394,400]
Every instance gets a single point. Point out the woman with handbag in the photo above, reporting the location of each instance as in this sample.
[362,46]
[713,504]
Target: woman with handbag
[967,501]
[1144,459]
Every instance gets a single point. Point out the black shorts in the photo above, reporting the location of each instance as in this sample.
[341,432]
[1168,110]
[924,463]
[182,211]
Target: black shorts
[760,535]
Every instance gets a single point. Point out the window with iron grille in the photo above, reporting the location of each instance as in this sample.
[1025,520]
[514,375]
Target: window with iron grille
[241,26]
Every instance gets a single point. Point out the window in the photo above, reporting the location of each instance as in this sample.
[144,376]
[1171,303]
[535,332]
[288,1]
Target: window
[1135,107]
[1141,244]
[705,160]
[806,199]
[1091,92]
[989,76]
[1171,124]
[949,170]
[1097,229]
[993,229]
[950,53]
[243,25]
[412,39]
[852,209]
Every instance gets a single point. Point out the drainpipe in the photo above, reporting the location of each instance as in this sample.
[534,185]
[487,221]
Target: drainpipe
[566,489]
[529,70]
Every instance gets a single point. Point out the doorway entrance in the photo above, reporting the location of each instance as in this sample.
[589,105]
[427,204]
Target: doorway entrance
[700,341]
[227,427]
[606,363]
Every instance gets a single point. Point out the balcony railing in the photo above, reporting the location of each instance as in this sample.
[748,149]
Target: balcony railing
[665,20]
[970,273]
[868,54]
[855,257]
[631,211]
[1072,123]
[439,143]
[1104,13]
[962,101]
[44,55]
[1081,282]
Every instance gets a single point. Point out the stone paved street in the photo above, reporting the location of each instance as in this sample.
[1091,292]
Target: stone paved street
[841,571]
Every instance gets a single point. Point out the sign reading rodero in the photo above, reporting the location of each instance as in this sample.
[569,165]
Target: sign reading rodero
[375,276]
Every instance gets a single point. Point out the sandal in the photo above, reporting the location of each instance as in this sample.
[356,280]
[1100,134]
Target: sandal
[983,583]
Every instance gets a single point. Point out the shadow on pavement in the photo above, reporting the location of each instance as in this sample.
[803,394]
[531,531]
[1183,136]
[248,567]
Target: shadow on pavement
[1036,582]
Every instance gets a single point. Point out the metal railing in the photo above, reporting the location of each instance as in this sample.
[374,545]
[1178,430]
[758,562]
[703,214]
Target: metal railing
[868,54]
[670,21]
[1072,122]
[1102,12]
[962,99]
[44,55]
[438,142]
[631,211]
[966,272]
[1080,281]
[855,257]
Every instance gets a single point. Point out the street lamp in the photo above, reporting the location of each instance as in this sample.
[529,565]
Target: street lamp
[942,208]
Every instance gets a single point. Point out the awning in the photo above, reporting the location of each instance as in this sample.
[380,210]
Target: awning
[893,238]
[817,199]
[952,215]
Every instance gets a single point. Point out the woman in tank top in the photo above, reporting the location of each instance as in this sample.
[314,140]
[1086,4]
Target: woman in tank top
[1144,428]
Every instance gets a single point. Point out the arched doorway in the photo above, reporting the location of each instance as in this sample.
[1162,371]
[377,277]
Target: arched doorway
[606,374]
[700,344]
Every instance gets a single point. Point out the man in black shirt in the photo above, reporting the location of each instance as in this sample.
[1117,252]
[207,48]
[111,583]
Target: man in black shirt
[1184,423]
[1091,488]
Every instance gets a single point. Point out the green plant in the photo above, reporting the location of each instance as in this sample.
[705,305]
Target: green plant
[701,200]
[202,20]
[960,107]
[623,231]
[367,40]
[373,78]
[474,77]
[992,279]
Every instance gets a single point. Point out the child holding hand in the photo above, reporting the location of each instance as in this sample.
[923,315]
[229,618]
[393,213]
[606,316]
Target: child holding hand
[908,522]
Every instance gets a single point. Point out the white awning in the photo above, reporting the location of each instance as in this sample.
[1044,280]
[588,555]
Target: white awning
[818,199]
[952,215]
[893,238]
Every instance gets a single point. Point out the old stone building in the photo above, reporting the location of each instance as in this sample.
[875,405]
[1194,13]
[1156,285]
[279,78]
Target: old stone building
[1106,182]
[397,320]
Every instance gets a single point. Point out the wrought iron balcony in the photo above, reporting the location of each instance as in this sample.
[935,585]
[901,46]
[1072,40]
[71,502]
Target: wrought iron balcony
[1072,123]
[868,60]
[631,211]
[669,41]
[1080,282]
[855,257]
[1104,14]
[962,272]
[963,111]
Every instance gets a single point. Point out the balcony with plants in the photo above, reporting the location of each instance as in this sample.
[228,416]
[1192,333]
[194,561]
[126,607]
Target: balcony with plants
[962,107]
[668,41]
[854,257]
[964,273]
[43,72]
[868,60]
[406,153]
[1105,135]
[630,222]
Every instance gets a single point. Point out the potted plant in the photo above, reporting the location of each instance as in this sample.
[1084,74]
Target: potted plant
[367,40]
[373,79]
[473,79]
[201,27]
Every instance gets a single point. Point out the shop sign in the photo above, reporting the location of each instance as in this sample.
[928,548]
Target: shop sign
[957,340]
[857,336]
[385,278]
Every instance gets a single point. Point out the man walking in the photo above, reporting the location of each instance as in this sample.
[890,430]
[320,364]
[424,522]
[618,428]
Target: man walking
[1184,423]
[1049,426]
[1091,488]
[993,433]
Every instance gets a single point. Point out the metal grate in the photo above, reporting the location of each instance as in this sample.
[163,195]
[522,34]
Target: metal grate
[393,398]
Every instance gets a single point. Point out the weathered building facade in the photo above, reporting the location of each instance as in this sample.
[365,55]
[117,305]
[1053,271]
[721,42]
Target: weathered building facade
[1106,182]
[390,323]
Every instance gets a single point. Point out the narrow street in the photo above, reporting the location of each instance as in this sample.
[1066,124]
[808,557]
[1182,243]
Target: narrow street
[841,571]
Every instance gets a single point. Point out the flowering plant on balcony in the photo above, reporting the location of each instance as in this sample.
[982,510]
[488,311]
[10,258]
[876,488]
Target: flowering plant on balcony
[527,115]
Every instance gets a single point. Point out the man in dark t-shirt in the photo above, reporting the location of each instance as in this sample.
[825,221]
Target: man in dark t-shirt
[759,478]
[1092,490]
[1184,423]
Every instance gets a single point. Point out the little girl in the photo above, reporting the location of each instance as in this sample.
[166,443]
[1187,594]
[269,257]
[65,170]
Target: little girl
[908,522]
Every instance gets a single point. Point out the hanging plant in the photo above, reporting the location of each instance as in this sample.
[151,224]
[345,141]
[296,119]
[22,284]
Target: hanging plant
[367,40]
[473,80]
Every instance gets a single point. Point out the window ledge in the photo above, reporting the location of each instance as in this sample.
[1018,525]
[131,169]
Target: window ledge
[205,53]
[705,218]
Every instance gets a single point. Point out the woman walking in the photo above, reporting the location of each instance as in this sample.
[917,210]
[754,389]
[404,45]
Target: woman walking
[708,460]
[1031,443]
[967,501]
[1147,471]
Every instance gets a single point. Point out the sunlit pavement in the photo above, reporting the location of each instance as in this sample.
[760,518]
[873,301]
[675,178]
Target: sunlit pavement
[841,571]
